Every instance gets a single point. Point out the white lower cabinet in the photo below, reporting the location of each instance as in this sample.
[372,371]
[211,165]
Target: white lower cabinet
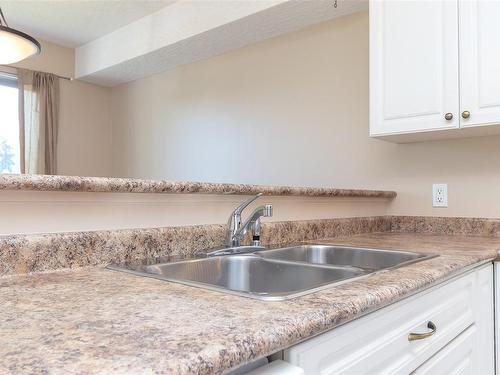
[453,323]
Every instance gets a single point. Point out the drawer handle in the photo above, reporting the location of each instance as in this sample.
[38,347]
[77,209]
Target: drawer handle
[420,336]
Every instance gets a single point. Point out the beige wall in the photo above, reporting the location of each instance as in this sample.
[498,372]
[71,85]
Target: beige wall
[279,112]
[84,149]
[292,110]
[84,146]
[38,212]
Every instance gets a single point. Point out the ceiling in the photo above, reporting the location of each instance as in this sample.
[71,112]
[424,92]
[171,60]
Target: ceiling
[72,23]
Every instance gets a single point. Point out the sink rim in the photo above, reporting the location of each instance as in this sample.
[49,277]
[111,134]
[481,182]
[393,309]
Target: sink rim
[140,270]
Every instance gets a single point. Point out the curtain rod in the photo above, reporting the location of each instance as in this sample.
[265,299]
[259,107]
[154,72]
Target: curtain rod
[57,75]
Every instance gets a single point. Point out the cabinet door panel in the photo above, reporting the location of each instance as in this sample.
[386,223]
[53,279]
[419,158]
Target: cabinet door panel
[480,61]
[413,66]
[484,317]
[456,358]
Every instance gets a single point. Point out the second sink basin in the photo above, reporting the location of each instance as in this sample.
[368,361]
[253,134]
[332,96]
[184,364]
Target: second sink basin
[368,259]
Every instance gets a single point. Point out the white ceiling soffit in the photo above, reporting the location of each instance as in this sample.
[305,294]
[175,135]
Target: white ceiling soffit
[71,23]
[188,31]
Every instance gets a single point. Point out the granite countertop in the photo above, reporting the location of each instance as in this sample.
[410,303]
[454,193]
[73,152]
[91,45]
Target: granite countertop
[134,185]
[102,322]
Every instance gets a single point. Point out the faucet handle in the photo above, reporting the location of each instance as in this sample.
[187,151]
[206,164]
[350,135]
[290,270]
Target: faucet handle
[268,210]
[234,220]
[238,210]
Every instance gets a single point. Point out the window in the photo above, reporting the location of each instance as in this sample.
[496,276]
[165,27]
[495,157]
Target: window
[9,124]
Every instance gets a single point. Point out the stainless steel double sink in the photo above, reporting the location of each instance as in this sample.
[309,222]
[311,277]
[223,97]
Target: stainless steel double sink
[276,274]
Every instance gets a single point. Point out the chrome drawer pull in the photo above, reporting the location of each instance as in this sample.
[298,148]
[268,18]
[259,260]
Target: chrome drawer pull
[420,336]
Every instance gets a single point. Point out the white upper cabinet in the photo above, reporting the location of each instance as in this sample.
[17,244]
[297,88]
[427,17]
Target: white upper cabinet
[434,68]
[413,66]
[479,62]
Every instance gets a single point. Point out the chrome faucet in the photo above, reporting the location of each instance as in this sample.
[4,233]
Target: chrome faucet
[237,230]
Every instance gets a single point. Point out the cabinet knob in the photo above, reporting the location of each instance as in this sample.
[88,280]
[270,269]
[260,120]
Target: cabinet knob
[465,114]
[448,116]
[420,336]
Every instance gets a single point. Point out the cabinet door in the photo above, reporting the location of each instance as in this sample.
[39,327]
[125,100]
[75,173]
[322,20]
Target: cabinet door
[472,352]
[413,66]
[484,317]
[455,358]
[480,61]
[497,316]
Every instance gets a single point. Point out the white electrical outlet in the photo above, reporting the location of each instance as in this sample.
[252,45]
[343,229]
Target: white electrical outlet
[440,195]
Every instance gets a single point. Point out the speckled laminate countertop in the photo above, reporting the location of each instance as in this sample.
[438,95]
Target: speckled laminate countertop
[95,321]
[135,185]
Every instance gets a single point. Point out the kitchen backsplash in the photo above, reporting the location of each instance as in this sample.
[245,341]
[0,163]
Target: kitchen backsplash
[44,252]
[21,254]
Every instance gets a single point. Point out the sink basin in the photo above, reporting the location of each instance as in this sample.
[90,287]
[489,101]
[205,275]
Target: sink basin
[368,259]
[249,275]
[276,274]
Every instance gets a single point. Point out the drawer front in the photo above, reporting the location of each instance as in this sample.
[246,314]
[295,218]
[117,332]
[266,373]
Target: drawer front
[455,358]
[378,343]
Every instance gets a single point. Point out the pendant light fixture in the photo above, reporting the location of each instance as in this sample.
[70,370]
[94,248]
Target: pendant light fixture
[15,45]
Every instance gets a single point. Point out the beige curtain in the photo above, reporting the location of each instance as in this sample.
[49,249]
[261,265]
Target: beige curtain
[38,121]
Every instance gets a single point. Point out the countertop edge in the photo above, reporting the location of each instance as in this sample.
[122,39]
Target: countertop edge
[132,185]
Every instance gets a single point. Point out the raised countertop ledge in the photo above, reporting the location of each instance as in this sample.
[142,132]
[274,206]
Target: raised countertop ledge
[130,185]
[95,320]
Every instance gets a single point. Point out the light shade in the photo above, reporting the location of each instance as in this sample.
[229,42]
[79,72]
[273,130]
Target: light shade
[16,45]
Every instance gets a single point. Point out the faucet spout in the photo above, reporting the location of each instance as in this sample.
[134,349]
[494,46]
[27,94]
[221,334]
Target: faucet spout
[253,222]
